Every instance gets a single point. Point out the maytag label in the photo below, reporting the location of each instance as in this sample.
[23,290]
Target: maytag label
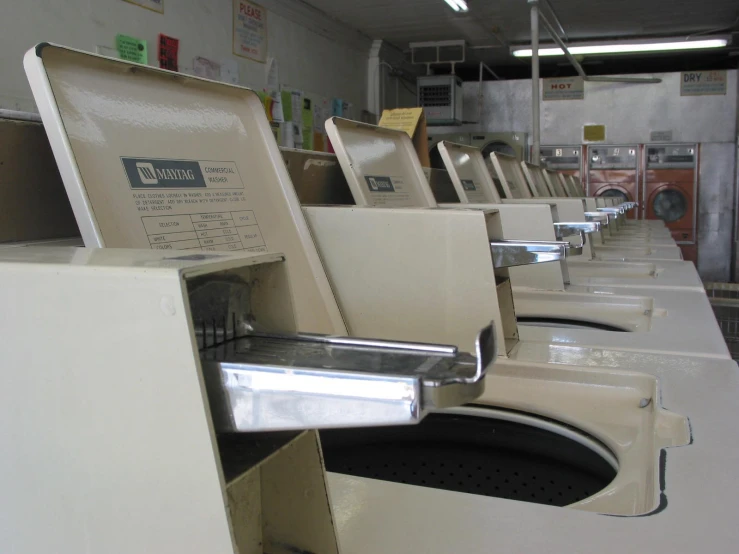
[379,184]
[154,173]
[468,184]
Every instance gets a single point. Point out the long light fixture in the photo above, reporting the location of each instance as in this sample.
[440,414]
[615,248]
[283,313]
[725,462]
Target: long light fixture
[624,47]
[458,5]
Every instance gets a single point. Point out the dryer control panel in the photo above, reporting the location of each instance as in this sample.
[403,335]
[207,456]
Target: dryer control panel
[612,157]
[561,157]
[672,156]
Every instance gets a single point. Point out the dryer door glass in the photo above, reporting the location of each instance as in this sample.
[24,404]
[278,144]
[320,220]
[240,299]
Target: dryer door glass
[500,147]
[670,205]
[615,193]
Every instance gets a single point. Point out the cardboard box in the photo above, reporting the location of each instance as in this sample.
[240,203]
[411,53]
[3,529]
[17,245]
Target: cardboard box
[33,200]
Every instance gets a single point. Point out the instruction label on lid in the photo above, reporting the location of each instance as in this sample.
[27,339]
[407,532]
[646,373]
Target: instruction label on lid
[387,191]
[475,194]
[192,204]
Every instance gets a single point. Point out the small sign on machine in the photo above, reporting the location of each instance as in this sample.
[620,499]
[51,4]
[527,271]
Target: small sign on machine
[703,83]
[564,88]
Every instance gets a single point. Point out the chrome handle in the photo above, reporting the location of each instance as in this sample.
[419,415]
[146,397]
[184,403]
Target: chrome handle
[616,210]
[600,217]
[512,253]
[566,229]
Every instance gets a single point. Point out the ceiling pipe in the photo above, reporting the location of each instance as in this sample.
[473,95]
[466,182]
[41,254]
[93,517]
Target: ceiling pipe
[550,7]
[535,103]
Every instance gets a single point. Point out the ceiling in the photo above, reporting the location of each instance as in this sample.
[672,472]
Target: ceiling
[491,26]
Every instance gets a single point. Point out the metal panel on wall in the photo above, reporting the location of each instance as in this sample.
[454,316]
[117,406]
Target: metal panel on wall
[715,210]
[629,112]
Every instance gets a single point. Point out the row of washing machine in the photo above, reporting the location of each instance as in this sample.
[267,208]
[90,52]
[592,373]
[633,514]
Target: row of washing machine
[613,392]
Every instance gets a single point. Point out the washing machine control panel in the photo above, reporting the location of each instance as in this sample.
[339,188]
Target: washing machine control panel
[561,157]
[672,156]
[612,157]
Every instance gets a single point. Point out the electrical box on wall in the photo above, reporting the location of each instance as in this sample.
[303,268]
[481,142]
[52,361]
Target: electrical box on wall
[440,96]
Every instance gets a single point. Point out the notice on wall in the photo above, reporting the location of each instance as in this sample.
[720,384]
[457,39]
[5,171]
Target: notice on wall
[703,83]
[337,107]
[660,136]
[230,72]
[594,133]
[564,88]
[131,49]
[168,48]
[249,30]
[307,124]
[203,67]
[153,5]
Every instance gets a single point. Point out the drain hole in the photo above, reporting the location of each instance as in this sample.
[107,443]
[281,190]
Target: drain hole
[506,456]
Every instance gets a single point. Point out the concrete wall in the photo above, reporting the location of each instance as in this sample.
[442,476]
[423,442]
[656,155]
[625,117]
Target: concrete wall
[630,113]
[314,53]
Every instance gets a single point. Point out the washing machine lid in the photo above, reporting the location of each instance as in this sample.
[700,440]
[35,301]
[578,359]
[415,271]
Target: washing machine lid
[510,176]
[470,175]
[380,165]
[555,185]
[537,181]
[162,160]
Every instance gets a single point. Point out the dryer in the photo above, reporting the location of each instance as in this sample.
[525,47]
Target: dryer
[613,170]
[513,144]
[671,192]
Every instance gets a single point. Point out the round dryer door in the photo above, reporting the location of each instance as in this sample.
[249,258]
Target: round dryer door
[670,205]
[615,193]
[499,148]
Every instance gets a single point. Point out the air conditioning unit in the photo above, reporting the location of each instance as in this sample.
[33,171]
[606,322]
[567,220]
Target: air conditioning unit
[440,96]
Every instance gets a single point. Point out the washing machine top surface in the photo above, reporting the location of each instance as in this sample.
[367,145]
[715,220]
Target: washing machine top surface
[657,274]
[695,512]
[676,320]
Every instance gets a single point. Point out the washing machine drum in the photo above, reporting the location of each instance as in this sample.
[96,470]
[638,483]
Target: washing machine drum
[670,205]
[499,148]
[615,193]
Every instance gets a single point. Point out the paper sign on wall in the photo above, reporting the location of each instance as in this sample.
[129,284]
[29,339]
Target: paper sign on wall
[230,72]
[564,88]
[153,5]
[594,133]
[168,47]
[203,67]
[337,107]
[249,30]
[307,124]
[131,49]
[703,83]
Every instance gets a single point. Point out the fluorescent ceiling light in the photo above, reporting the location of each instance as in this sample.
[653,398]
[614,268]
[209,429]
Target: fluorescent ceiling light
[625,47]
[457,5]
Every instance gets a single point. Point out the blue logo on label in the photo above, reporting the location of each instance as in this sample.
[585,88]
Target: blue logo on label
[145,173]
[379,184]
[468,184]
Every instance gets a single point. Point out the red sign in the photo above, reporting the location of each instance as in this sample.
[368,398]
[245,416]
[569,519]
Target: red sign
[168,48]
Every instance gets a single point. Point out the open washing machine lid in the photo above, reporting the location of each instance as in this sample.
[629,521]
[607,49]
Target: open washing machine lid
[510,175]
[470,175]
[380,165]
[155,159]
